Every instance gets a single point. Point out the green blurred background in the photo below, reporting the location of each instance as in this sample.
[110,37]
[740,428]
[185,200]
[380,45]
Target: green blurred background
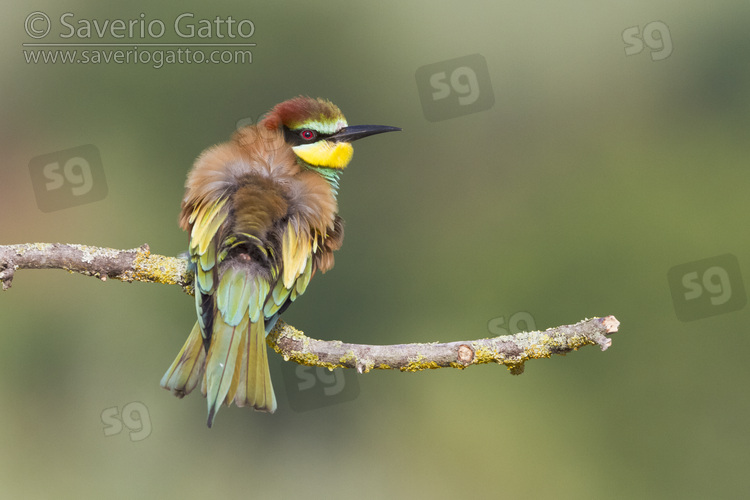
[592,175]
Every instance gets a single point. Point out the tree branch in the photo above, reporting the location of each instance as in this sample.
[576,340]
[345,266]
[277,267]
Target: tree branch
[139,264]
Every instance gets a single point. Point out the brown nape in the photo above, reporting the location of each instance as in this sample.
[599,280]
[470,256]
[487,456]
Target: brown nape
[258,203]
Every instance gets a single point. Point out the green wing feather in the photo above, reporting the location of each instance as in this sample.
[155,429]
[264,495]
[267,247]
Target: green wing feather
[235,307]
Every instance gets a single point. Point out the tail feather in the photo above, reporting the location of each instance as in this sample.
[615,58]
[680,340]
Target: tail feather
[187,369]
[239,394]
[238,370]
[259,392]
[236,366]
[222,361]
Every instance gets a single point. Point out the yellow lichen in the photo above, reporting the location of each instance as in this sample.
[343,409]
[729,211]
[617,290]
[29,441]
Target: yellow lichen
[291,332]
[417,364]
[484,355]
[537,351]
[579,341]
[515,368]
[304,358]
[310,359]
[348,357]
[157,268]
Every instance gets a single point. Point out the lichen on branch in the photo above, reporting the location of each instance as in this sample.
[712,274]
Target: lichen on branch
[509,350]
[139,264]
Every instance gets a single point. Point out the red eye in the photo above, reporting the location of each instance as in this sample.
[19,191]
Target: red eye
[307,134]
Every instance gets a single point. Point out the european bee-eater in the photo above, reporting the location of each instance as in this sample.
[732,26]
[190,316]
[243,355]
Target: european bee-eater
[262,218]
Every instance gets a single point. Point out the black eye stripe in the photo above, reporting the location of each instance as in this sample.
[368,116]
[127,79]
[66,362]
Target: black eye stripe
[294,137]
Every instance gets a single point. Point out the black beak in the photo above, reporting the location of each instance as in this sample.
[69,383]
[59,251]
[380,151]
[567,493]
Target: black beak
[349,134]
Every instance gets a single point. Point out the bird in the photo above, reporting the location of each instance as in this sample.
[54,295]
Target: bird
[262,218]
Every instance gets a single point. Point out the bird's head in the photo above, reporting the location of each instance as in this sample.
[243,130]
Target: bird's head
[317,131]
